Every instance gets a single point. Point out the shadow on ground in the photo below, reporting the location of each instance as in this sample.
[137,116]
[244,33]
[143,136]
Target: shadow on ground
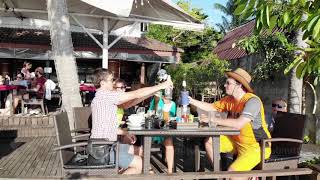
[8,143]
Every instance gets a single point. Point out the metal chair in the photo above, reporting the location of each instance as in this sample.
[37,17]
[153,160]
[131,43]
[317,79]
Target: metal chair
[287,140]
[66,147]
[34,101]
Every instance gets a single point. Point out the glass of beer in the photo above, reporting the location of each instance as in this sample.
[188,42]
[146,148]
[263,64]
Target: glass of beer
[166,117]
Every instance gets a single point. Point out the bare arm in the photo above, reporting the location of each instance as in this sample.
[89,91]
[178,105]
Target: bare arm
[140,93]
[202,105]
[235,123]
[134,102]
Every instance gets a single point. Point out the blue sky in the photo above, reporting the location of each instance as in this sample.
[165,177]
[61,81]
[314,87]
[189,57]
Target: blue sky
[207,6]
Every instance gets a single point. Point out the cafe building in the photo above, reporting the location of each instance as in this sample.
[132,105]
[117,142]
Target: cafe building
[134,58]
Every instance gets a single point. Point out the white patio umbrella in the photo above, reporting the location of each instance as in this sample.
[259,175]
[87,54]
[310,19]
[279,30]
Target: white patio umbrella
[103,15]
[119,13]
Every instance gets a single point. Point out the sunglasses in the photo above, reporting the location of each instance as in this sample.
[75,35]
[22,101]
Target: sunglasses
[277,105]
[229,83]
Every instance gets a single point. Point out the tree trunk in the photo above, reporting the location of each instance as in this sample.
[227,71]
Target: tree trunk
[64,60]
[295,84]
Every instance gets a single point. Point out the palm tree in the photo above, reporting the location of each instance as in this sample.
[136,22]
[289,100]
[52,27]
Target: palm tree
[229,21]
[64,60]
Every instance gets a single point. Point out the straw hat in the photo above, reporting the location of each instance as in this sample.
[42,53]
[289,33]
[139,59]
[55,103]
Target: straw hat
[241,76]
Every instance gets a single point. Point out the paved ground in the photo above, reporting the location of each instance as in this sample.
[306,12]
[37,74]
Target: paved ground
[309,151]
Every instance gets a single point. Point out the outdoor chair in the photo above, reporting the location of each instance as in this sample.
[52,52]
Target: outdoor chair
[82,119]
[287,140]
[34,101]
[70,164]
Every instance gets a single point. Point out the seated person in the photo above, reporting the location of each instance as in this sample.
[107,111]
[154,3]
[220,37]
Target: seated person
[245,113]
[278,104]
[20,81]
[104,107]
[165,108]
[36,90]
[40,80]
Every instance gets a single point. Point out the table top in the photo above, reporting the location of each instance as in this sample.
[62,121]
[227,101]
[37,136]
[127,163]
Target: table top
[84,87]
[10,87]
[205,131]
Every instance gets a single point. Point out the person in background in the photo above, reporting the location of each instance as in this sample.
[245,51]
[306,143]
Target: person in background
[278,104]
[136,148]
[166,108]
[26,70]
[120,85]
[104,116]
[1,80]
[40,80]
[245,113]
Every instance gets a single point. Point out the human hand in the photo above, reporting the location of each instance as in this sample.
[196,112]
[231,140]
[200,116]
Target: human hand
[204,118]
[132,138]
[168,83]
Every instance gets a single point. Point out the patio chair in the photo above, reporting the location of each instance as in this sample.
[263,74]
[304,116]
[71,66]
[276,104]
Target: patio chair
[34,101]
[82,119]
[287,139]
[68,156]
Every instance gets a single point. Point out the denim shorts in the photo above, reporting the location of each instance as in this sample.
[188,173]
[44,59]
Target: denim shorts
[125,158]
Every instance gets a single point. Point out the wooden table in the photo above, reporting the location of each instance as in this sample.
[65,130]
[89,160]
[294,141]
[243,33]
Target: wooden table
[197,132]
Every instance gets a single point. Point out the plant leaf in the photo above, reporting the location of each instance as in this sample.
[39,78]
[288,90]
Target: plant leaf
[239,9]
[316,29]
[286,18]
[300,70]
[267,15]
[273,22]
[292,65]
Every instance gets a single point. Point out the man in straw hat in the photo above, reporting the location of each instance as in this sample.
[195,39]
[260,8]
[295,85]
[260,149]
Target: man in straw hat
[246,113]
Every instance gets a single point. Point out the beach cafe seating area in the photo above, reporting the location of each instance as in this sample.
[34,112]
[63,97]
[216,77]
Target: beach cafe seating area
[30,149]
[41,145]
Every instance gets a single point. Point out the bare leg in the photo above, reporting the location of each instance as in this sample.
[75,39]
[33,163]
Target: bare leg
[135,166]
[168,143]
[209,149]
[16,100]
[136,150]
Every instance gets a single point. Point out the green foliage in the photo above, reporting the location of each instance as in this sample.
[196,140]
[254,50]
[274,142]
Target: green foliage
[315,160]
[228,9]
[195,44]
[276,50]
[198,74]
[292,15]
[306,139]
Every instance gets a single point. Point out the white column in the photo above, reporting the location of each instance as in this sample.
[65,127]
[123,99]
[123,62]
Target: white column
[142,73]
[105,50]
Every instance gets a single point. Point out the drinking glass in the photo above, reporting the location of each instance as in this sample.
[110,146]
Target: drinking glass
[213,115]
[166,117]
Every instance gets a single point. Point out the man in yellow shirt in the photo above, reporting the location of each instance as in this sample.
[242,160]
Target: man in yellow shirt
[246,113]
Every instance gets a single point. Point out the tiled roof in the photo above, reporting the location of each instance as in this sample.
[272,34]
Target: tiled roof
[224,49]
[82,40]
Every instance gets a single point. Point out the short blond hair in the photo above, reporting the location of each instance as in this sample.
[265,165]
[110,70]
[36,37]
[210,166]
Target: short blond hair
[101,74]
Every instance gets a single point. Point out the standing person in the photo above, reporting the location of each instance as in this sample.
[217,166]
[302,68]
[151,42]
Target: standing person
[246,113]
[167,108]
[278,104]
[104,107]
[26,70]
